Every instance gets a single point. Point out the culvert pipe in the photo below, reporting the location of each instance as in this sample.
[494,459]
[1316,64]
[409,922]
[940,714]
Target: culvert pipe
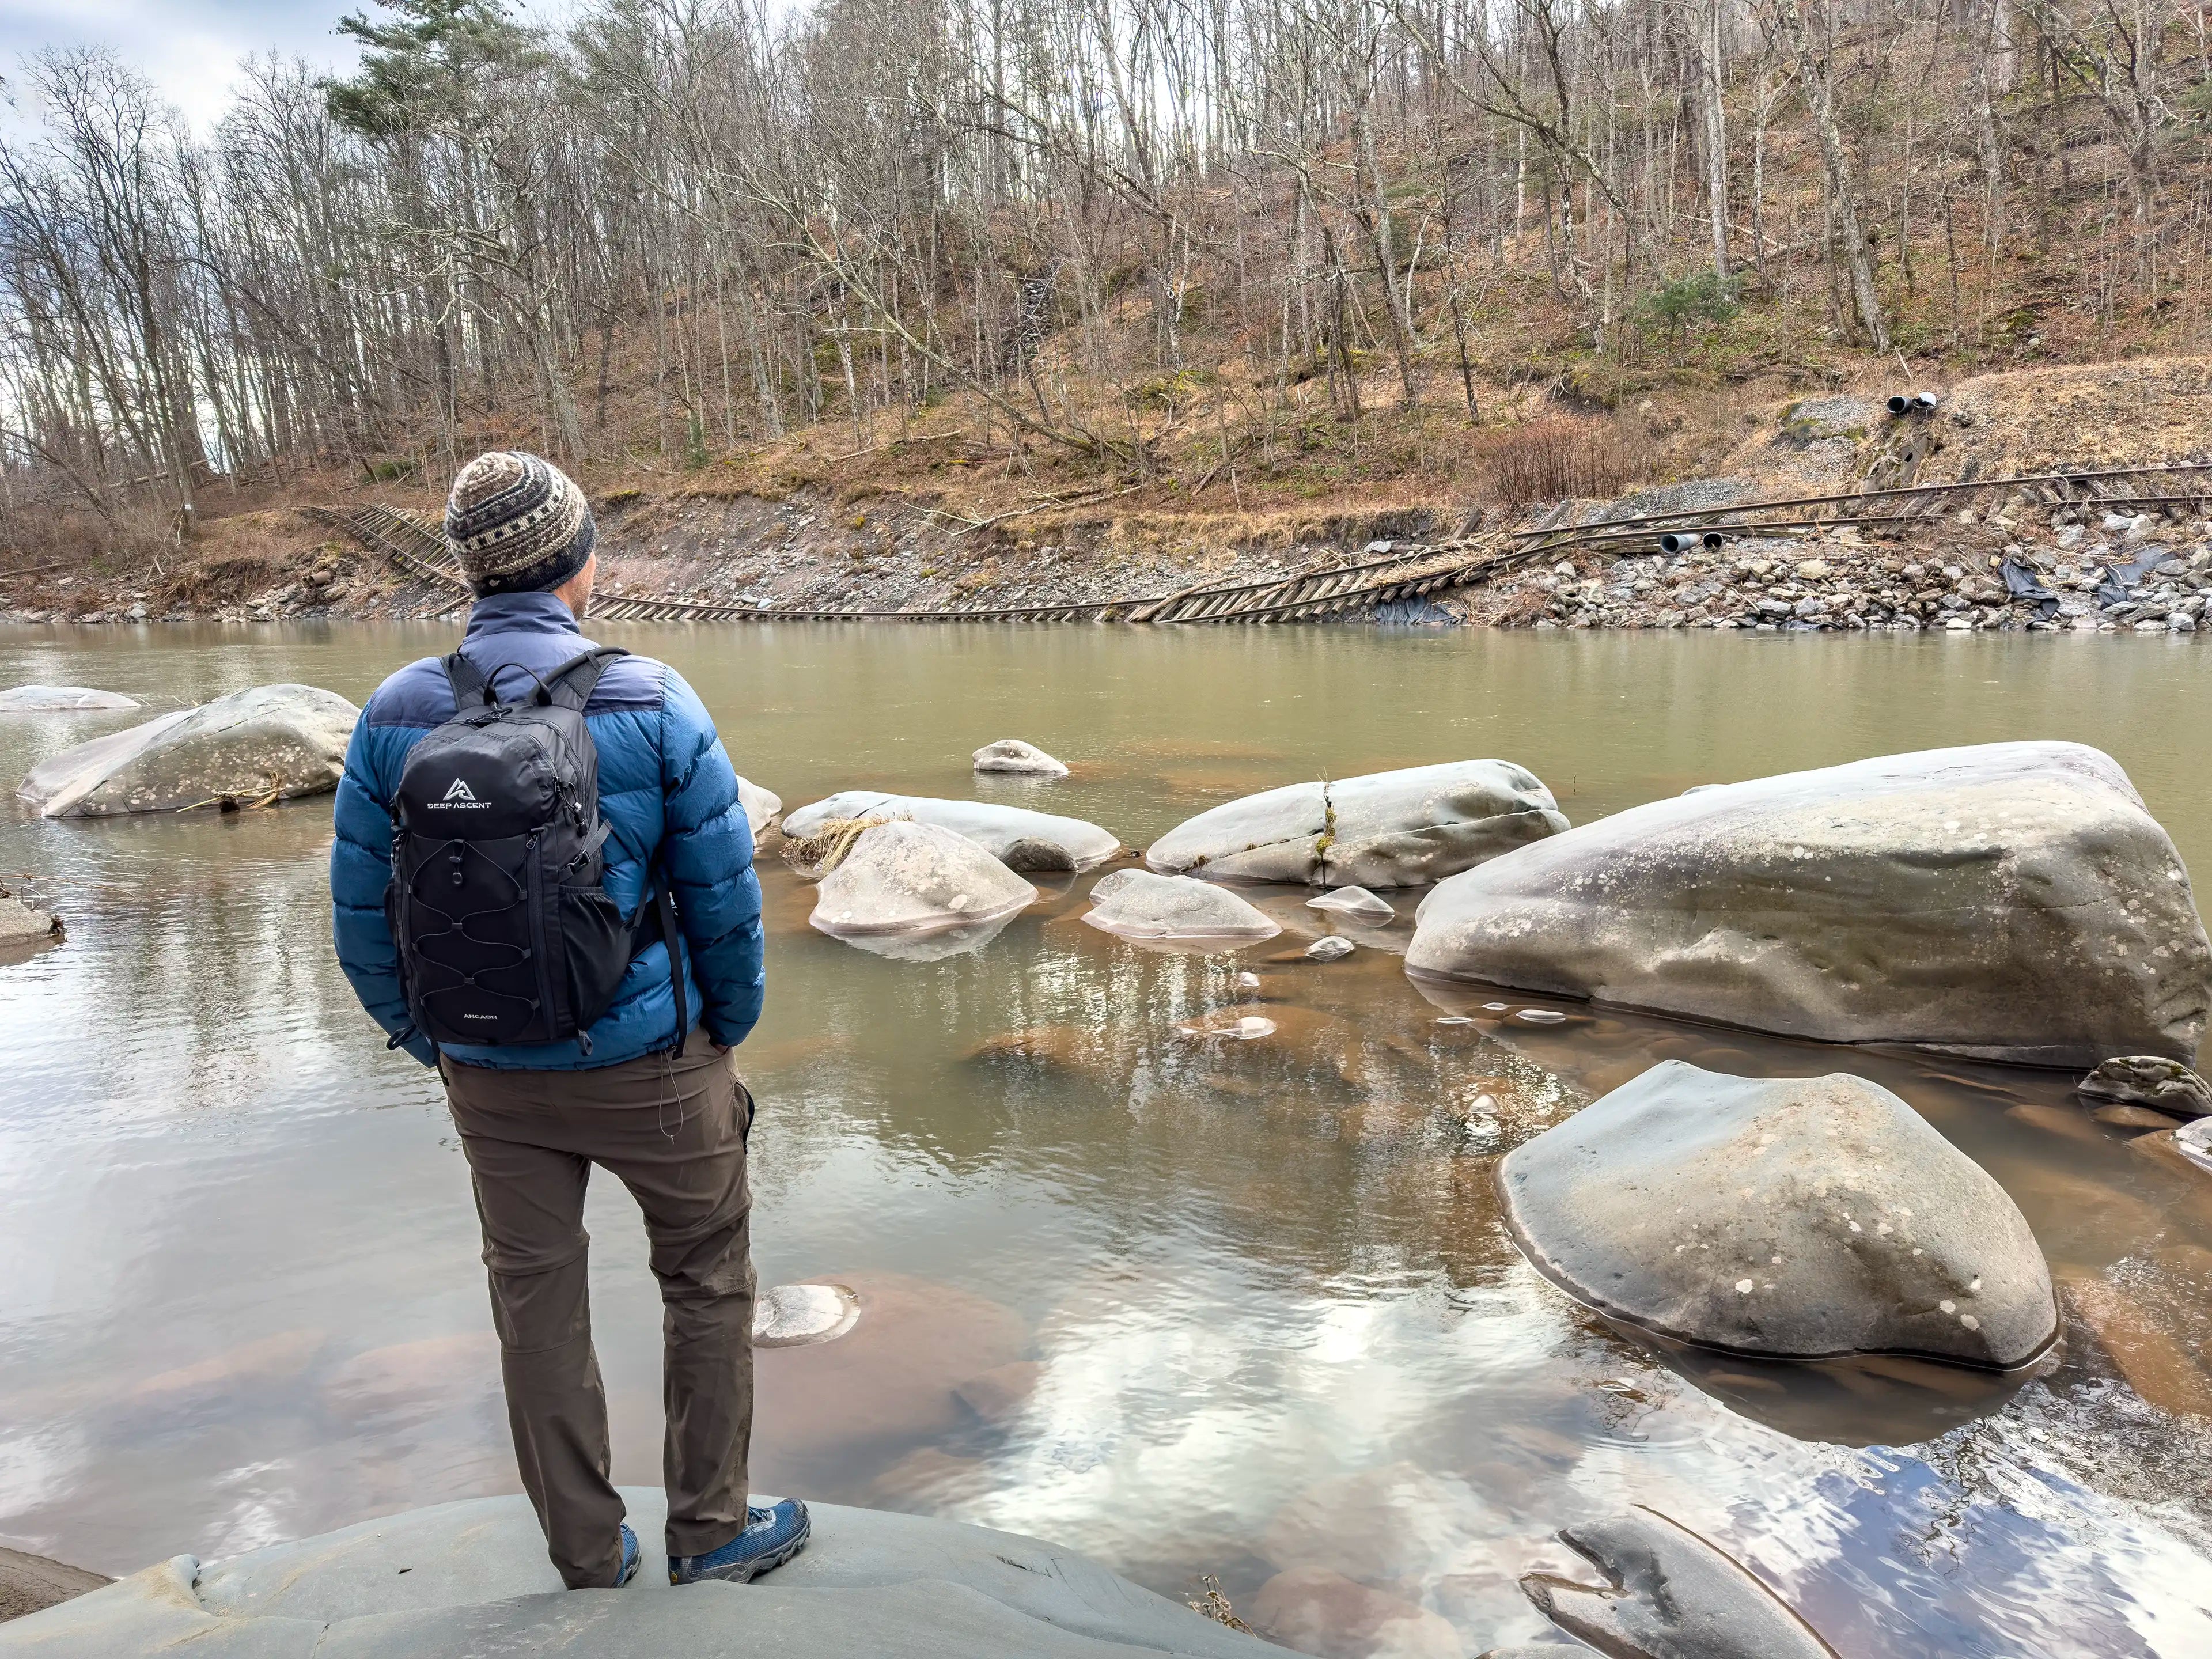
[1913,402]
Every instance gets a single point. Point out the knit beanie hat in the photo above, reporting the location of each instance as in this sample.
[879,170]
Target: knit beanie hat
[518,523]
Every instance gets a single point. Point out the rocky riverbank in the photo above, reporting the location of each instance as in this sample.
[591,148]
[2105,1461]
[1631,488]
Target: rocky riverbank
[2083,572]
[933,528]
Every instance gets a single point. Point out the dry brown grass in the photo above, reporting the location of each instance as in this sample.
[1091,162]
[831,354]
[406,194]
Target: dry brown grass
[814,856]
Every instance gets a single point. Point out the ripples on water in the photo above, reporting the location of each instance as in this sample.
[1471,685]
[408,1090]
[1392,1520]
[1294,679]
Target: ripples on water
[1197,1292]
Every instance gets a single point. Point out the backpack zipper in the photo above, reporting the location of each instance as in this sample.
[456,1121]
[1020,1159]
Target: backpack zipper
[537,890]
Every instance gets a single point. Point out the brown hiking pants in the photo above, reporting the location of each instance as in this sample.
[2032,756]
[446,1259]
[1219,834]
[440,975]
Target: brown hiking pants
[673,1132]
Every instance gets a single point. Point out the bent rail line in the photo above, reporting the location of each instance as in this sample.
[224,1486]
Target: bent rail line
[1393,572]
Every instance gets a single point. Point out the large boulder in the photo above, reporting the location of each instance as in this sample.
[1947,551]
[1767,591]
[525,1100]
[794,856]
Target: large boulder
[761,805]
[1138,904]
[911,879]
[1797,1218]
[1400,829]
[1019,838]
[2011,901]
[472,1578]
[60,699]
[271,743]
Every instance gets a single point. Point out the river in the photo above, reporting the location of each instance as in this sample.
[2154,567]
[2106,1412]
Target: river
[240,1299]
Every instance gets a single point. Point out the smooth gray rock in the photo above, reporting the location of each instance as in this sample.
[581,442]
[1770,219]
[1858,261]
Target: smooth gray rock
[1401,828]
[1795,1219]
[1356,903]
[1138,904]
[761,806]
[2010,901]
[283,741]
[477,1583]
[1022,759]
[24,924]
[1673,1596]
[916,878]
[2149,1080]
[1020,839]
[60,699]
[1330,947]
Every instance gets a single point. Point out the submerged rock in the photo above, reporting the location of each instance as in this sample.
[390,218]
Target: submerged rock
[60,699]
[2149,1080]
[791,1315]
[271,743]
[915,878]
[2010,901]
[1400,1522]
[761,806]
[1399,828]
[1020,839]
[472,1577]
[1316,1611]
[1793,1219]
[1012,754]
[2151,1316]
[1671,1595]
[1137,904]
[1357,902]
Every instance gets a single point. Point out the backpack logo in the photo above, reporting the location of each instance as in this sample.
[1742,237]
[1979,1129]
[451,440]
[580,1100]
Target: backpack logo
[459,796]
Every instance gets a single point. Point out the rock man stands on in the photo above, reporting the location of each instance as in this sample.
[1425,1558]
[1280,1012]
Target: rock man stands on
[666,1116]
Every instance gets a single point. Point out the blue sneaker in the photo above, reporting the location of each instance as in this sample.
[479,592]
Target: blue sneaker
[630,1556]
[771,1537]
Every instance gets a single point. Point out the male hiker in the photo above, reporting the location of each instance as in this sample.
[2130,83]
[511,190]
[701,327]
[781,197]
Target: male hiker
[526,830]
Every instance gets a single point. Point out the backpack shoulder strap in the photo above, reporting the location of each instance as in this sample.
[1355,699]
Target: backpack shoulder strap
[573,682]
[470,688]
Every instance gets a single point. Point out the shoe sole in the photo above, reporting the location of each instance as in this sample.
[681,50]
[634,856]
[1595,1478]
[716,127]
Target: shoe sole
[745,1572]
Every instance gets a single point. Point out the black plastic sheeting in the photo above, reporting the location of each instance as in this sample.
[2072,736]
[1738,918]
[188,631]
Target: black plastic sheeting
[2122,577]
[2021,582]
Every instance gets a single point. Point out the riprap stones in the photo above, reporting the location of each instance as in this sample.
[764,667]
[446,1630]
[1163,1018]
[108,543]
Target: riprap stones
[269,743]
[1794,1219]
[1399,828]
[2009,901]
[1020,839]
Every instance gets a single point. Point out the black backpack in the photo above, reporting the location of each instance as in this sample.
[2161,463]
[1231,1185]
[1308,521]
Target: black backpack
[505,933]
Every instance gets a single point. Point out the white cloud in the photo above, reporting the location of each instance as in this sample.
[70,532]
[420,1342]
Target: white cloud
[190,49]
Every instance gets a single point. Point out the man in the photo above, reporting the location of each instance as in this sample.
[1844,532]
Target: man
[660,1109]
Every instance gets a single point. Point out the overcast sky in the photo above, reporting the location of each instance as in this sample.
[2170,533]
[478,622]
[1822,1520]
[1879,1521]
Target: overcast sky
[190,48]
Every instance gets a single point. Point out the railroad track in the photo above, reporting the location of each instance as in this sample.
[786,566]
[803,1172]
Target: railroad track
[1390,572]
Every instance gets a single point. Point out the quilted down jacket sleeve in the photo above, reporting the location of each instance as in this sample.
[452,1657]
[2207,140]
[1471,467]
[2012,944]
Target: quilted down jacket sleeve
[706,852]
[361,867]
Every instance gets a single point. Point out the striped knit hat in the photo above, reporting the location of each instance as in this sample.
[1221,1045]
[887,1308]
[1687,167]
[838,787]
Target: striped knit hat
[518,523]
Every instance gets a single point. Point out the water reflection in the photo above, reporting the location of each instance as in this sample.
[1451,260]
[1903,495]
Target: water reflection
[1162,1295]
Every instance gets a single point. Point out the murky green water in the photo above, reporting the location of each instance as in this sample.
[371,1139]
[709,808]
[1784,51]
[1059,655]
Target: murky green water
[240,1298]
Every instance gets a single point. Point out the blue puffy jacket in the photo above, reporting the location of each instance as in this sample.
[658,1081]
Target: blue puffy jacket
[669,799]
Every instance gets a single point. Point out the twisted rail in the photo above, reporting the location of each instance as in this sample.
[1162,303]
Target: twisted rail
[1393,572]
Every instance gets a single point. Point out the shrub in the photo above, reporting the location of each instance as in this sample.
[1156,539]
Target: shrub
[1555,460]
